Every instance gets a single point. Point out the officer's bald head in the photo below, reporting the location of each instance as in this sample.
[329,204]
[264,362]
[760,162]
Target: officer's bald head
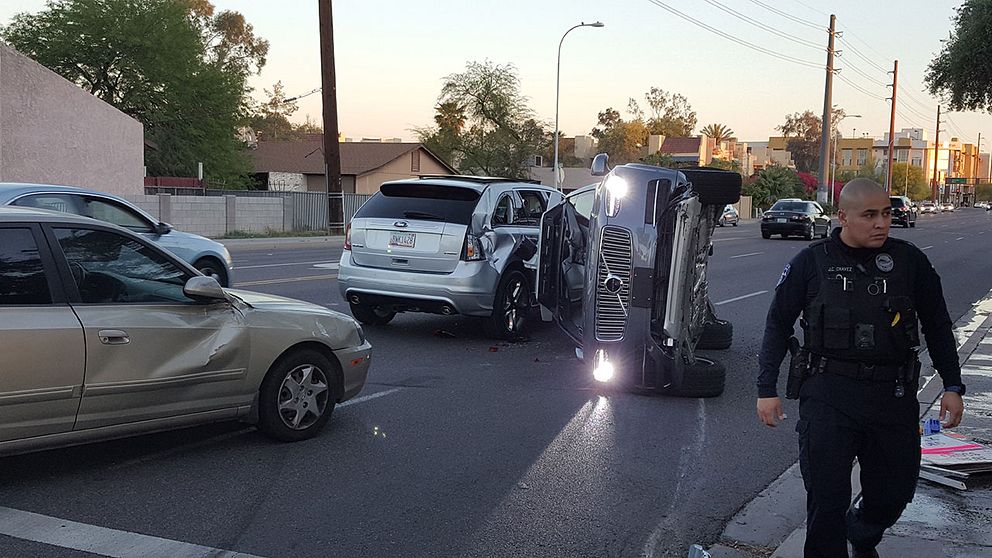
[865,213]
[860,193]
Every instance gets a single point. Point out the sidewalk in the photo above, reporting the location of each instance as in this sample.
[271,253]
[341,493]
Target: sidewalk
[941,522]
[241,244]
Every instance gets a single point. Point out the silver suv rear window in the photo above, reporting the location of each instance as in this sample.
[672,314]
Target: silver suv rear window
[427,202]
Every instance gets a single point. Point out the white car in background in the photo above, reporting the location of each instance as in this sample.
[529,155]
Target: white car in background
[947,207]
[928,207]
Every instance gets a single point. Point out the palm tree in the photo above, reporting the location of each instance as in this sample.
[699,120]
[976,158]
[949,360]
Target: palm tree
[450,116]
[718,132]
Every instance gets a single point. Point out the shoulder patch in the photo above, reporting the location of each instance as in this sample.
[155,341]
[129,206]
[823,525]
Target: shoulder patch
[785,274]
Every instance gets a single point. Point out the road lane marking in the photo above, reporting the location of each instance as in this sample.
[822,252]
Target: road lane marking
[260,266]
[330,265]
[731,238]
[369,397]
[928,247]
[735,299]
[746,255]
[286,280]
[100,540]
[959,238]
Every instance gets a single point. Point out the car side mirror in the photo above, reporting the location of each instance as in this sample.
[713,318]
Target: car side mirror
[163,228]
[600,165]
[204,289]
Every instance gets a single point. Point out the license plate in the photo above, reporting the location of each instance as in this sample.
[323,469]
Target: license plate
[780,220]
[402,240]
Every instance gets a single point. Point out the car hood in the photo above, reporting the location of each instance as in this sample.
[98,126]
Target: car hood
[267,312]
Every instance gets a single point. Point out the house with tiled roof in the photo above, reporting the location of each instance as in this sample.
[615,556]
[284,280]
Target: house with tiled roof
[299,165]
[692,149]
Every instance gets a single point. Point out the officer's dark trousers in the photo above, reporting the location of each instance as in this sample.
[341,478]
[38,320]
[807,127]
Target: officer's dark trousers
[842,419]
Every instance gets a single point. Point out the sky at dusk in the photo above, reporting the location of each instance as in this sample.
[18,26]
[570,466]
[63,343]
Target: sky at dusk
[393,55]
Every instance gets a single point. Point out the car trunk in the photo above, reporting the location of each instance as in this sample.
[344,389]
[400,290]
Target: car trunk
[413,227]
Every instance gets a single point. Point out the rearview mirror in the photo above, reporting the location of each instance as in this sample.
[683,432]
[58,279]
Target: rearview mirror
[204,289]
[600,165]
[163,228]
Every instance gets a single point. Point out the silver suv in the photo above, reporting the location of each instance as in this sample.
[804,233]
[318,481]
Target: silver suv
[446,245]
[622,269]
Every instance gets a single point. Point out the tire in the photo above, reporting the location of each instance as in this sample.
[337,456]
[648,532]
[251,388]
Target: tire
[212,267]
[705,378]
[297,396]
[766,235]
[717,336]
[510,307]
[912,225]
[715,186]
[736,222]
[371,315]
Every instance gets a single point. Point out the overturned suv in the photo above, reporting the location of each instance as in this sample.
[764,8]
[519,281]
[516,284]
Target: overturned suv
[622,269]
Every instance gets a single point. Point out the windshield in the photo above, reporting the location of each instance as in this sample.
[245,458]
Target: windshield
[429,202]
[897,202]
[801,207]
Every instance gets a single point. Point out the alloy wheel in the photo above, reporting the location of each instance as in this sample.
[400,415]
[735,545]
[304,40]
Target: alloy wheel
[514,306]
[303,396]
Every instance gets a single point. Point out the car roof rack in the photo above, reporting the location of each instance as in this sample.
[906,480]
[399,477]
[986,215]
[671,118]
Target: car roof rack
[476,179]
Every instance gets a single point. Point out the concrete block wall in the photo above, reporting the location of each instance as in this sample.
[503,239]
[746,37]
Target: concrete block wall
[214,216]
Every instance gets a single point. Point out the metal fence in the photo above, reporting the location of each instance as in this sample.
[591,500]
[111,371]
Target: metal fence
[309,209]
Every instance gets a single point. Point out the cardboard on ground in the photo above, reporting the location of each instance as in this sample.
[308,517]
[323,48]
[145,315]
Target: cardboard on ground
[947,449]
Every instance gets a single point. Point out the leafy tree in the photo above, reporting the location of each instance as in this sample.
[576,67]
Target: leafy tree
[774,183]
[444,138]
[959,73]
[671,113]
[718,132]
[607,119]
[502,134]
[802,132]
[173,65]
[870,169]
[623,141]
[810,184]
[909,180]
[270,119]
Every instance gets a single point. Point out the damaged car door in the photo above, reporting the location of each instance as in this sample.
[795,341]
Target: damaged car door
[561,283]
[151,351]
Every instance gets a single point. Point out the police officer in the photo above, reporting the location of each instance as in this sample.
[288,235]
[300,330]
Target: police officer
[860,294]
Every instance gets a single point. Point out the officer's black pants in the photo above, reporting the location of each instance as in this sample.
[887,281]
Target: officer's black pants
[835,429]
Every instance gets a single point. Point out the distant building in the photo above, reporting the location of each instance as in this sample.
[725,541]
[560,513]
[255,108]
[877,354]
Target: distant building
[299,165]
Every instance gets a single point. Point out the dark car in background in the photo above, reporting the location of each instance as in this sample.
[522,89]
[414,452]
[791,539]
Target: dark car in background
[795,217]
[903,211]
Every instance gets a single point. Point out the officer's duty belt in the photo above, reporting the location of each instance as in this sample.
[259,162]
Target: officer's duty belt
[857,370]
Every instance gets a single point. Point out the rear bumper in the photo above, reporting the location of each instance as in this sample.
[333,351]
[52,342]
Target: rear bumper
[470,289]
[785,228]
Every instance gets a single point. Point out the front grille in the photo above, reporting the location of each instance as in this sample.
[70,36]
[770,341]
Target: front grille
[611,308]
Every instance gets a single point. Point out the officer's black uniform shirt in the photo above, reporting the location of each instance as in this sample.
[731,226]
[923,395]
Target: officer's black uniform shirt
[799,285]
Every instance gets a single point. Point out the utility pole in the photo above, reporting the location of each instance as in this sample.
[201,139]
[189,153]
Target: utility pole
[821,192]
[936,156]
[332,149]
[892,127]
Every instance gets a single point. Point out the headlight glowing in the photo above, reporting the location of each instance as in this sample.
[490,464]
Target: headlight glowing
[603,372]
[616,188]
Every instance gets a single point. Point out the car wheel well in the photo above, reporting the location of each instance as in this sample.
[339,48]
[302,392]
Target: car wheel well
[323,350]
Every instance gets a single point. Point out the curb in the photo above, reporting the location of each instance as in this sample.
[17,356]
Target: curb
[774,522]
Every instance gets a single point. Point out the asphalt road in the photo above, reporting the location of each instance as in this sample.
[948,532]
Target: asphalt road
[468,447]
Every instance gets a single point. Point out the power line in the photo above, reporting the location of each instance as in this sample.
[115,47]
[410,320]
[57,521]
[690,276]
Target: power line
[861,55]
[808,7]
[865,43]
[924,116]
[791,17]
[768,28]
[741,42]
[859,88]
[866,75]
[911,121]
[921,104]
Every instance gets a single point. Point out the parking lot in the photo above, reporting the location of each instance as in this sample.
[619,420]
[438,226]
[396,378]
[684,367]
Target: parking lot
[460,445]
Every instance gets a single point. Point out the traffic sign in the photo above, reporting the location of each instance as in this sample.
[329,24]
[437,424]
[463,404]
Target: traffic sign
[958,180]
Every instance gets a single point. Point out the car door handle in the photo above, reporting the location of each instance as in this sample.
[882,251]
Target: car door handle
[113,337]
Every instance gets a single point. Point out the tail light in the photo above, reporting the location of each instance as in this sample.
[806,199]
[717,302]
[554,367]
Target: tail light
[347,237]
[473,249]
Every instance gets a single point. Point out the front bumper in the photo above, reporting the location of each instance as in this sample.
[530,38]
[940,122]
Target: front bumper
[789,227]
[355,362]
[470,289]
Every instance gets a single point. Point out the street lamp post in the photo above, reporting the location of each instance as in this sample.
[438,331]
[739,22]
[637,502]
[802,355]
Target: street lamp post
[554,169]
